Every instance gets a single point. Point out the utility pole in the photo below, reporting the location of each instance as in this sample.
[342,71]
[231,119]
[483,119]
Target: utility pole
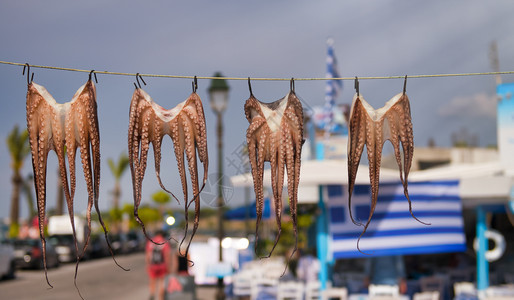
[494,61]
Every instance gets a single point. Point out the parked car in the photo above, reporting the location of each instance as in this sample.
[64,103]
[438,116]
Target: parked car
[136,241]
[7,261]
[119,243]
[64,245]
[98,245]
[28,254]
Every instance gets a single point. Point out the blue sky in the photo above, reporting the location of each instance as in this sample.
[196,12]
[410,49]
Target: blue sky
[256,39]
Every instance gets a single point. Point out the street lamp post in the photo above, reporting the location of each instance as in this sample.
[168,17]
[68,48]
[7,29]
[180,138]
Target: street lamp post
[218,96]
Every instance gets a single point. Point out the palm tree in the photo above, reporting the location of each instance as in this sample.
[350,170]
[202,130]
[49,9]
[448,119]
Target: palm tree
[59,207]
[117,171]
[27,190]
[18,144]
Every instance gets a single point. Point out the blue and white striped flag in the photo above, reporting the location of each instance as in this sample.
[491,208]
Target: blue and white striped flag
[393,230]
[333,87]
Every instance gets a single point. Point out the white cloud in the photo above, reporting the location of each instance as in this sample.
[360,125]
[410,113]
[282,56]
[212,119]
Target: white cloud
[477,105]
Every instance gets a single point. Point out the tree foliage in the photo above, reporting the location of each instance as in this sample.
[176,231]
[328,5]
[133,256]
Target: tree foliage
[18,145]
[161,197]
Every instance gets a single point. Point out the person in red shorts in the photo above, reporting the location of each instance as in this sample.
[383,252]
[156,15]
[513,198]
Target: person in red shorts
[158,260]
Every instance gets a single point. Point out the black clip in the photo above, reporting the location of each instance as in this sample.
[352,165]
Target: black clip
[356,86]
[93,73]
[28,73]
[404,85]
[291,85]
[195,84]
[138,83]
[250,87]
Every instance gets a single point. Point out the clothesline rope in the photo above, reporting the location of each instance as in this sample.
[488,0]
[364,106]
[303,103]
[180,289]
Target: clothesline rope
[261,78]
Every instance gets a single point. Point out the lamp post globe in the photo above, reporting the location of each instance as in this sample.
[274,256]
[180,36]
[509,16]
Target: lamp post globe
[218,94]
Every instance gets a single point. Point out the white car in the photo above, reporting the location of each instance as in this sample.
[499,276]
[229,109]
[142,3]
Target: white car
[7,264]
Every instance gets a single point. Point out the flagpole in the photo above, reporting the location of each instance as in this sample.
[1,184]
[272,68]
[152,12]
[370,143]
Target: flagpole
[332,88]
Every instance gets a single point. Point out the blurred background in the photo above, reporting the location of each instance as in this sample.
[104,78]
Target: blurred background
[277,39]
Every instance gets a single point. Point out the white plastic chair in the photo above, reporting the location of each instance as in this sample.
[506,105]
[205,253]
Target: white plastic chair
[379,290]
[312,290]
[500,292]
[242,284]
[274,271]
[434,295]
[464,288]
[290,290]
[330,293]
[263,288]
[432,283]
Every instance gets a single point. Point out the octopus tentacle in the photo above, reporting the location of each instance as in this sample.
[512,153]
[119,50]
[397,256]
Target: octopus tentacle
[40,129]
[293,173]
[59,139]
[357,140]
[292,163]
[70,143]
[133,144]
[86,166]
[253,138]
[85,157]
[94,140]
[71,149]
[194,114]
[277,180]
[43,149]
[260,175]
[157,157]
[401,132]
[259,203]
[145,146]
[198,118]
[90,144]
[190,151]
[137,136]
[374,151]
[177,135]
[196,141]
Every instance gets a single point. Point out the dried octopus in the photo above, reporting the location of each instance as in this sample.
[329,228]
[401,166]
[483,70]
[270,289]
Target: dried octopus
[185,124]
[64,128]
[372,128]
[275,134]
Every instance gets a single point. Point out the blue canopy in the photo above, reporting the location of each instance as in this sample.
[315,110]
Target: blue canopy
[239,213]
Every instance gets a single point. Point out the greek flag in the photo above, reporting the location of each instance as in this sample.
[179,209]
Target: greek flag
[332,86]
[393,230]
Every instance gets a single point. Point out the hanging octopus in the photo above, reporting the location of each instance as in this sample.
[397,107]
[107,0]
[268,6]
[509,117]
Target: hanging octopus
[275,134]
[372,128]
[64,128]
[185,124]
